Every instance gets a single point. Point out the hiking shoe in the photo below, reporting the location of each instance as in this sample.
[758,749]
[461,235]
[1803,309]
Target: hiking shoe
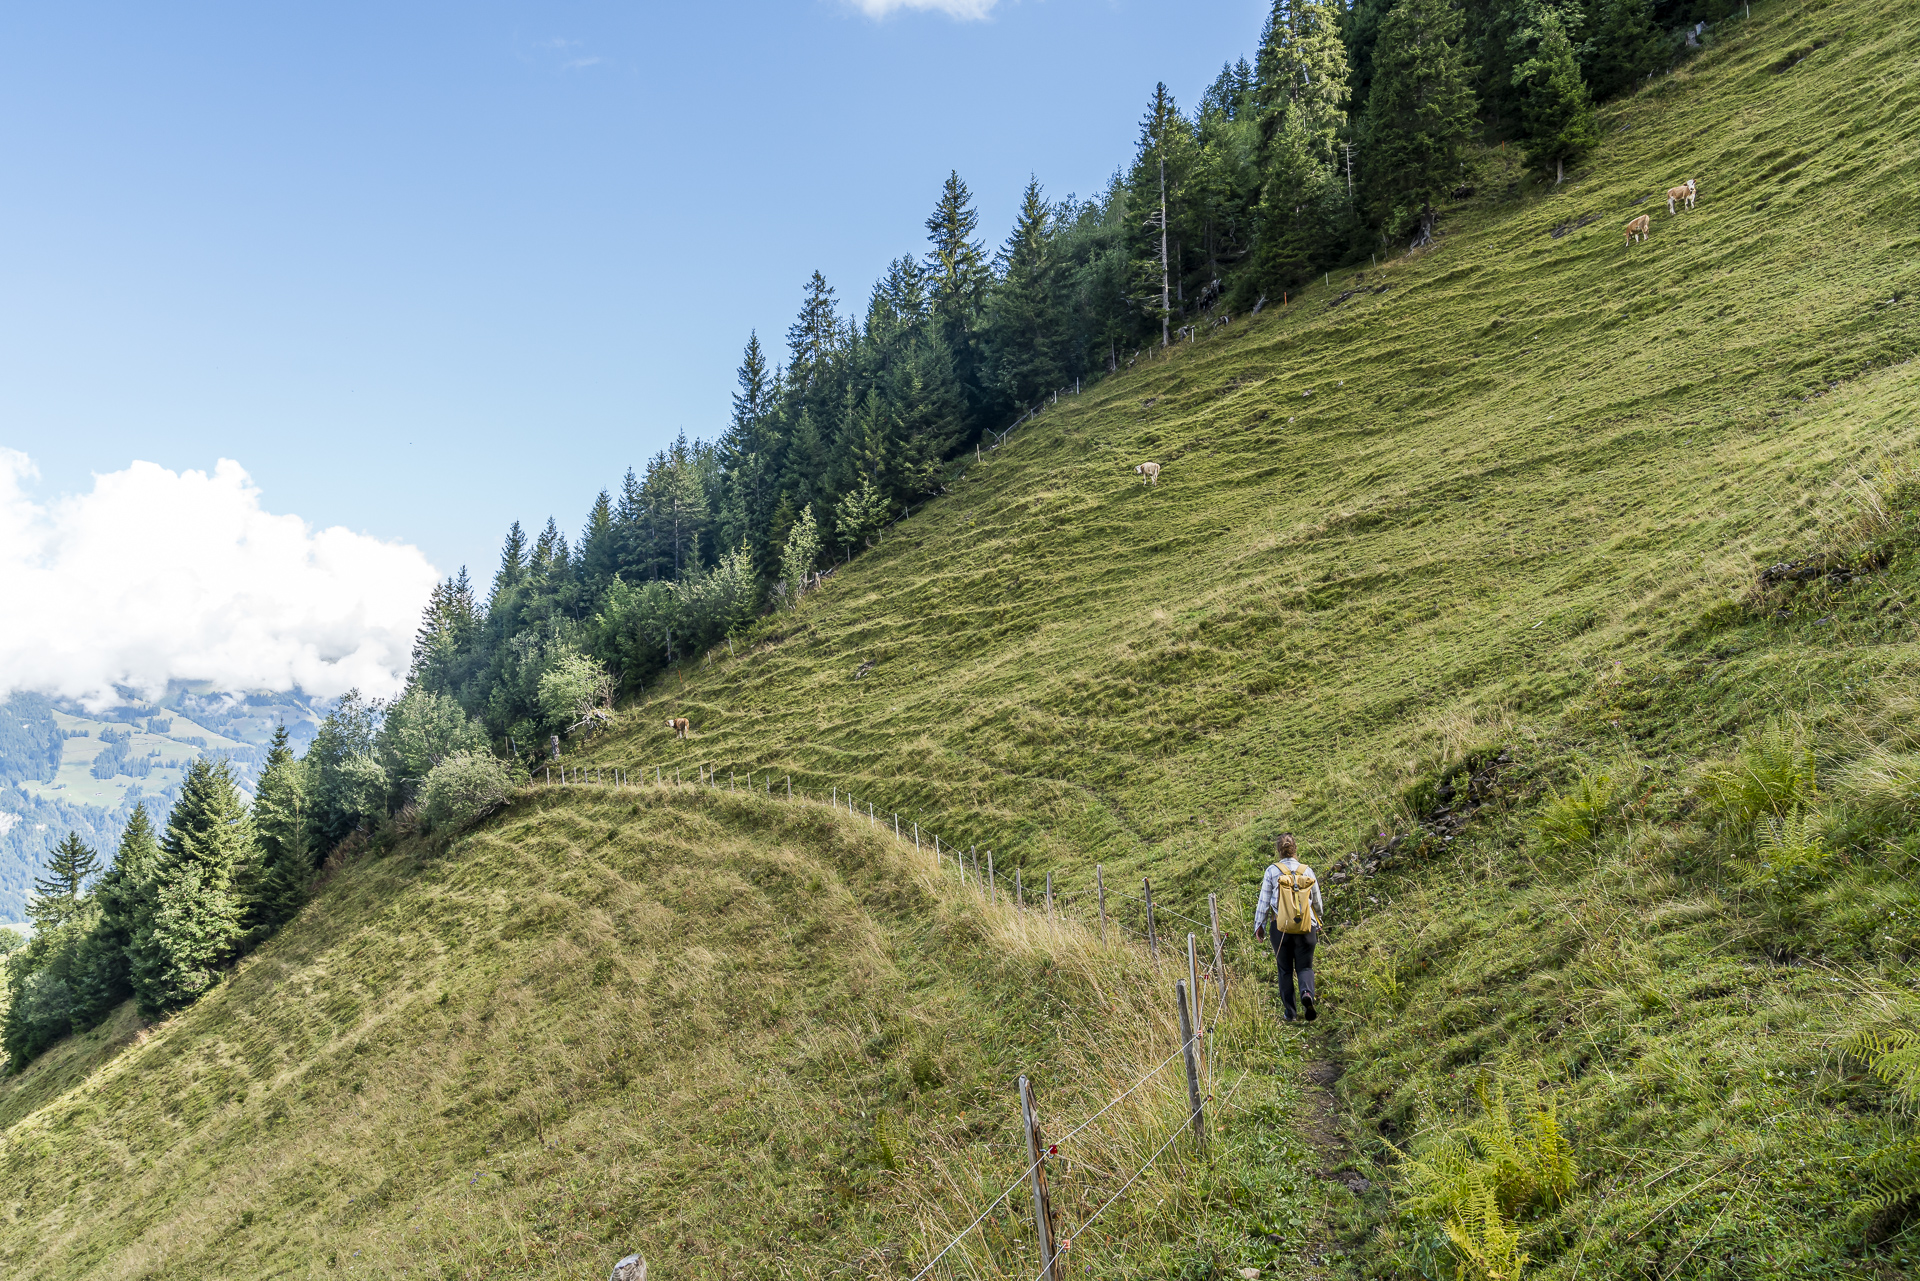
[1287,1015]
[1312,1013]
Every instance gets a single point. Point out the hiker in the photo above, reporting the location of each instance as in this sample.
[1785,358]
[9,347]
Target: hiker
[1288,918]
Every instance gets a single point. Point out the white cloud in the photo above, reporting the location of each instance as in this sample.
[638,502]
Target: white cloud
[965,9]
[157,576]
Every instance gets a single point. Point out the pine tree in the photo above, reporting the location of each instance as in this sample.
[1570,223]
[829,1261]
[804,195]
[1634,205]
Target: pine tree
[58,893]
[1555,109]
[1420,116]
[1026,327]
[284,865]
[814,339]
[197,922]
[1627,45]
[960,279]
[599,557]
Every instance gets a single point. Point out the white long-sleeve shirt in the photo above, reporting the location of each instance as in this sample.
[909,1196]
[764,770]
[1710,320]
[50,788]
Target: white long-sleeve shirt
[1270,892]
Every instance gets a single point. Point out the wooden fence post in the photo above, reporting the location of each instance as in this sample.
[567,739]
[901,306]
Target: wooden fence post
[916,838]
[896,827]
[546,774]
[1153,938]
[1100,885]
[1019,900]
[993,889]
[1037,1150]
[1049,893]
[869,813]
[1193,1071]
[1219,964]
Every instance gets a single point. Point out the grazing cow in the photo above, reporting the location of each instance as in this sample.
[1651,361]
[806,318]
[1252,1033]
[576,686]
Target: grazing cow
[679,725]
[1151,471]
[1685,191]
[1641,227]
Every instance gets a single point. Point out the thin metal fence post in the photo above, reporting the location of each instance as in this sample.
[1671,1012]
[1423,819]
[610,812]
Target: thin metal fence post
[870,818]
[1193,1071]
[1100,885]
[1219,964]
[916,838]
[1153,938]
[1037,1151]
[546,774]
[993,889]
[896,827]
[789,787]
[1019,899]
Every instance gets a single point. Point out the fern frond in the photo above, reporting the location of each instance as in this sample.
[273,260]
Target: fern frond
[1893,1055]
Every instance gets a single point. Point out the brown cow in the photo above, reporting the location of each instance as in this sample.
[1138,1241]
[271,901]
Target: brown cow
[1684,191]
[679,725]
[1641,227]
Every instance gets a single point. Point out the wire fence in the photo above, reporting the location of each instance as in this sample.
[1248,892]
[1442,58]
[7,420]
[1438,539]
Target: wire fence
[1133,918]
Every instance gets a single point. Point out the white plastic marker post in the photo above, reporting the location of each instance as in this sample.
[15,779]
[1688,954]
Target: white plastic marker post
[1219,965]
[1193,981]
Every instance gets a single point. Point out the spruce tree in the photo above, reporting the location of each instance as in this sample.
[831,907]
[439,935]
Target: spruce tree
[1026,328]
[1627,45]
[283,866]
[1420,116]
[197,923]
[58,893]
[960,278]
[126,895]
[1555,109]
[599,550]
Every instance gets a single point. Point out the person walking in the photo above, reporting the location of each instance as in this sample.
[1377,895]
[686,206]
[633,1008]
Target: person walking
[1287,916]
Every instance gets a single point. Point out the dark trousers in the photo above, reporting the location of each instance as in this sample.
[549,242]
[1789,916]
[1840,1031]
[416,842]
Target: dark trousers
[1293,953]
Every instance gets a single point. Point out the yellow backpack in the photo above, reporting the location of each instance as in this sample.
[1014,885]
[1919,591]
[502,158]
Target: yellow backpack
[1293,901]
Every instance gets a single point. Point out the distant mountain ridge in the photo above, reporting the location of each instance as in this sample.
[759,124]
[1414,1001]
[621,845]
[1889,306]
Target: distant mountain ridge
[66,768]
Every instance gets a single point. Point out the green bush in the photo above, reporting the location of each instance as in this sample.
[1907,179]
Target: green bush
[463,788]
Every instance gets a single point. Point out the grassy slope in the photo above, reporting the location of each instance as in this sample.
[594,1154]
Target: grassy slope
[1519,496]
[1530,476]
[752,1039]
[1529,458]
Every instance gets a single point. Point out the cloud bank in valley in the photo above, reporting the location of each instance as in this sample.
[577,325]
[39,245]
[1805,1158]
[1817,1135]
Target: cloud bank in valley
[158,575]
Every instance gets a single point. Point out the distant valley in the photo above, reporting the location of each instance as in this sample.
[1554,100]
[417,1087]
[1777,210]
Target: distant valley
[66,768]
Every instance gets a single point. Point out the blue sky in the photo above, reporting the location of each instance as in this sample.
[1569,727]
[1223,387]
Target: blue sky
[424,269]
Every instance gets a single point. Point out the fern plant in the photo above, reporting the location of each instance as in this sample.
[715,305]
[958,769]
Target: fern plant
[1793,856]
[1893,1172]
[1479,1176]
[1569,819]
[1771,774]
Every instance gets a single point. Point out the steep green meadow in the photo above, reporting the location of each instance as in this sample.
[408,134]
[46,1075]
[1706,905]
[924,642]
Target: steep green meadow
[1513,492]
[748,1038]
[1509,496]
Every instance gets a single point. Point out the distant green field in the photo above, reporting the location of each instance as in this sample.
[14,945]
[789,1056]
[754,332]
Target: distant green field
[75,784]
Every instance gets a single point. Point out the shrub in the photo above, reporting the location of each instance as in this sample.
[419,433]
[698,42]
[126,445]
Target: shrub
[573,690]
[464,788]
